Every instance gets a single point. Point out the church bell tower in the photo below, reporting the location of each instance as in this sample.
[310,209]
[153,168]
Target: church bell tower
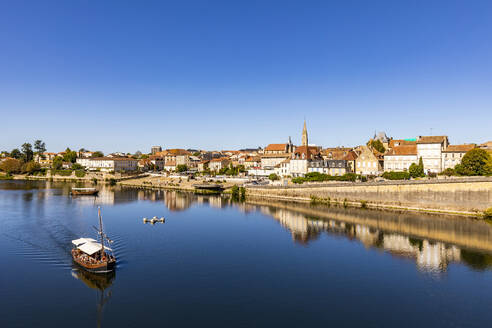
[304,135]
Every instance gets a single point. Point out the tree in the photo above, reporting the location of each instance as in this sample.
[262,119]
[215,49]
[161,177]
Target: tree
[138,153]
[417,170]
[377,144]
[16,153]
[39,146]
[11,165]
[273,177]
[31,167]
[27,153]
[475,162]
[97,154]
[57,163]
[77,166]
[70,156]
[181,168]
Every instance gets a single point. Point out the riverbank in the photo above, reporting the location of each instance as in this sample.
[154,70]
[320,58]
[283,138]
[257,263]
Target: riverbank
[454,197]
[458,197]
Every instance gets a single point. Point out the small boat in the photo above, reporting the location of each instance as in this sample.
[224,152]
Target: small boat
[93,255]
[84,191]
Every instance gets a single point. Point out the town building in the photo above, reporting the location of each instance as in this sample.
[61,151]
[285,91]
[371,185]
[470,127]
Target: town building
[203,165]
[217,164]
[269,161]
[45,159]
[116,164]
[430,148]
[399,158]
[155,149]
[453,154]
[252,161]
[369,161]
[328,166]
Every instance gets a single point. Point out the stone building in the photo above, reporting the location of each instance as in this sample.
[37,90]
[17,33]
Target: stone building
[399,158]
[369,161]
[430,148]
[453,154]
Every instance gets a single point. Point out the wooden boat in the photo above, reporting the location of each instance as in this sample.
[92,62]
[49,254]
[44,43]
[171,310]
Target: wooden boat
[84,191]
[93,255]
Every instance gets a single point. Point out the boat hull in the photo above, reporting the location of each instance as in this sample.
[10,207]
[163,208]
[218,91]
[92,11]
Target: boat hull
[84,193]
[101,267]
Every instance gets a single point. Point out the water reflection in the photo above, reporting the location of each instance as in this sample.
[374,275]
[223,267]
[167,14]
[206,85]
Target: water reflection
[433,242]
[101,283]
[430,255]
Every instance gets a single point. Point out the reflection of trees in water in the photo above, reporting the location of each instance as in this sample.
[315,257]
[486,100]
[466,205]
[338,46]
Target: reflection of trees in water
[101,283]
[477,261]
[429,255]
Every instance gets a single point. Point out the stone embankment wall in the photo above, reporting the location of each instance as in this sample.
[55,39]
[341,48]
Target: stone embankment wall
[456,196]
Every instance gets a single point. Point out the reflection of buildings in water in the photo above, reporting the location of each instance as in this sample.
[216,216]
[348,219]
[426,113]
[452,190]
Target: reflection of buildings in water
[217,202]
[176,201]
[429,256]
[302,231]
[245,208]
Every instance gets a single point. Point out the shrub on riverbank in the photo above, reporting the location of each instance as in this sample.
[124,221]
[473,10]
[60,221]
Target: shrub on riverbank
[6,177]
[80,173]
[321,177]
[392,175]
[64,173]
[487,214]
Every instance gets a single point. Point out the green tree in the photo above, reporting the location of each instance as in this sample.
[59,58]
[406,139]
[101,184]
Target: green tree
[39,146]
[70,156]
[10,166]
[417,170]
[31,167]
[376,144]
[181,168]
[77,166]
[97,154]
[273,177]
[57,163]
[16,153]
[27,153]
[475,162]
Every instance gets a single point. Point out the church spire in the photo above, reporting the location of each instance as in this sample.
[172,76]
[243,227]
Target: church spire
[304,135]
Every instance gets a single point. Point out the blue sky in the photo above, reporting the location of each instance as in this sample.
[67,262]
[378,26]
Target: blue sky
[126,75]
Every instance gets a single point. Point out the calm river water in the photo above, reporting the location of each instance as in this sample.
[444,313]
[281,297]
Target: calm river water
[222,264]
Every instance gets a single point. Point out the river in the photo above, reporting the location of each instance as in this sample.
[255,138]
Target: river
[215,262]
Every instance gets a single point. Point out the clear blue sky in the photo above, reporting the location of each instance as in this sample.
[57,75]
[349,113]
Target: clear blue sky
[126,75]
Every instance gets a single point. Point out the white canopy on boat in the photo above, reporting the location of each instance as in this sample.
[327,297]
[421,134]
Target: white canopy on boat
[80,241]
[92,247]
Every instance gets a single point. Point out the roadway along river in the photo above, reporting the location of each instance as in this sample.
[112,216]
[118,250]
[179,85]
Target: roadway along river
[226,264]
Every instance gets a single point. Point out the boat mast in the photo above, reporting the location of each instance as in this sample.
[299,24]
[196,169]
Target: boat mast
[101,232]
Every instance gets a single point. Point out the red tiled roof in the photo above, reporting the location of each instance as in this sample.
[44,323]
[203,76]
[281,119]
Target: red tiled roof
[401,142]
[276,147]
[459,148]
[351,156]
[406,150]
[431,139]
[112,159]
[219,159]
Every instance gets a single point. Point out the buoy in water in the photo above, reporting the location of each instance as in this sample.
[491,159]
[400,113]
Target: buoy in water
[162,220]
